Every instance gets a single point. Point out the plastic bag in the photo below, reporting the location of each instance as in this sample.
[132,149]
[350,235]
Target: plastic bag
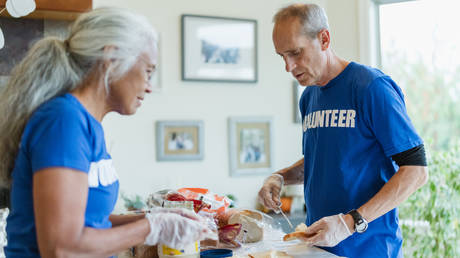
[233,226]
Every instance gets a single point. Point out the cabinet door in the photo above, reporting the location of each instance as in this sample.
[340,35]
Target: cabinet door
[60,5]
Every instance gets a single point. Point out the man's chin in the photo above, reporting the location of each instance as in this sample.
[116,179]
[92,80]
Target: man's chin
[303,82]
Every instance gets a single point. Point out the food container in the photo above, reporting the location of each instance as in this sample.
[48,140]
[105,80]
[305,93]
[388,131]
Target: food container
[216,253]
[190,251]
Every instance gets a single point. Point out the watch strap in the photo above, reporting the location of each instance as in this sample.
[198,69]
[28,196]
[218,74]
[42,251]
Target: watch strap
[356,216]
[360,222]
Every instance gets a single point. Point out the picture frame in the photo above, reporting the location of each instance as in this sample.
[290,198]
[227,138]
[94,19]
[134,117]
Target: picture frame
[219,49]
[297,91]
[250,145]
[179,140]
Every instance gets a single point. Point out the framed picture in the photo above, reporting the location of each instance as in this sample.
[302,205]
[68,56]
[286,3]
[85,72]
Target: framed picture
[219,49]
[297,90]
[179,140]
[251,145]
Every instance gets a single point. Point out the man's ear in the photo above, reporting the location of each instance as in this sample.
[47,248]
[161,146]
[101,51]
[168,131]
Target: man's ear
[324,39]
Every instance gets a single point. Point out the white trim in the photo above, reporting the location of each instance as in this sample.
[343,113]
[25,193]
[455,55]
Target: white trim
[102,173]
[369,43]
[369,30]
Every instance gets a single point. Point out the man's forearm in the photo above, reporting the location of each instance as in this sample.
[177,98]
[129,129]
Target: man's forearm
[294,174]
[403,184]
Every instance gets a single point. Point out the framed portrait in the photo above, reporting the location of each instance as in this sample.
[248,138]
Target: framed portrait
[219,49]
[251,145]
[179,140]
[297,91]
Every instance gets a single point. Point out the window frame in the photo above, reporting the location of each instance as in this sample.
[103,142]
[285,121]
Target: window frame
[369,27]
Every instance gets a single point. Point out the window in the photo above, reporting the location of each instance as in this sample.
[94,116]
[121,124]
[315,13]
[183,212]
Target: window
[419,48]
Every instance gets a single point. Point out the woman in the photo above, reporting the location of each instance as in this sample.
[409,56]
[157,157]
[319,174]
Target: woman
[63,184]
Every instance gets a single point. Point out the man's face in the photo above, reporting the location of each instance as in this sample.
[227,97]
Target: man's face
[303,56]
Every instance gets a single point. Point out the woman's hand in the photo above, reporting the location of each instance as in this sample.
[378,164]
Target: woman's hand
[175,227]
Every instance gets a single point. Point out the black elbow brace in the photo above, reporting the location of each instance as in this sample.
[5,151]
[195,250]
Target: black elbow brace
[412,157]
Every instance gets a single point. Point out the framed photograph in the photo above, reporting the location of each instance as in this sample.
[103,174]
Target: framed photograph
[251,145]
[297,90]
[219,49]
[179,140]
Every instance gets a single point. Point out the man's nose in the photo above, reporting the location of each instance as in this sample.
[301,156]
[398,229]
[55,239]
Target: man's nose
[290,65]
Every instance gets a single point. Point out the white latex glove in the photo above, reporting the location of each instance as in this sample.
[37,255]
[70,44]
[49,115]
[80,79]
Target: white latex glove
[328,231]
[269,194]
[175,228]
[181,211]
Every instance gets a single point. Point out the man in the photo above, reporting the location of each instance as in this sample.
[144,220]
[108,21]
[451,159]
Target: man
[362,156]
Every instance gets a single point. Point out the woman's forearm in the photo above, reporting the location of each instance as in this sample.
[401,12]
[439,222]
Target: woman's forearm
[122,219]
[103,242]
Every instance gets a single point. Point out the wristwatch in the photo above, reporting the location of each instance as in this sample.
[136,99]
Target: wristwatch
[360,222]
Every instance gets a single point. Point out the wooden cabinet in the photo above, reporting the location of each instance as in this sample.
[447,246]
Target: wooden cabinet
[56,9]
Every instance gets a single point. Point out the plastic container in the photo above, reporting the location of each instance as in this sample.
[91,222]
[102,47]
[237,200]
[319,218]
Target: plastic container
[190,251]
[216,253]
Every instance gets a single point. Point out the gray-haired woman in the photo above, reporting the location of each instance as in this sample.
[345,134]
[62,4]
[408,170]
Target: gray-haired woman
[52,149]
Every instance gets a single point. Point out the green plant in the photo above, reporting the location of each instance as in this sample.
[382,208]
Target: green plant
[135,203]
[437,204]
[233,199]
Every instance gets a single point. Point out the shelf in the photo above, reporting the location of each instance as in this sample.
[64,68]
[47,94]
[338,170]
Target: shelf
[55,9]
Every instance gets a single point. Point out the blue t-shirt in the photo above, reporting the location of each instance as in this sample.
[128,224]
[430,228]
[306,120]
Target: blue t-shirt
[60,133]
[351,128]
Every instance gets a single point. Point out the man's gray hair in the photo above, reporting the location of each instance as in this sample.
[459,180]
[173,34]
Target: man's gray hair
[312,16]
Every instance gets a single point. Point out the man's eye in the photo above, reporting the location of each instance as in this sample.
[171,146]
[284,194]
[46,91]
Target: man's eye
[149,74]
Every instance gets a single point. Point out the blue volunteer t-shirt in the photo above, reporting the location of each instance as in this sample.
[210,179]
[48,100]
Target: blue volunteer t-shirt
[60,133]
[351,128]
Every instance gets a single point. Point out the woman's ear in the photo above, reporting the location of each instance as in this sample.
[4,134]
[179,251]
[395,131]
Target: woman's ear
[108,56]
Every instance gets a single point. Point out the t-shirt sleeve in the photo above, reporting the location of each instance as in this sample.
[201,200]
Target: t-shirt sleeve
[60,141]
[385,113]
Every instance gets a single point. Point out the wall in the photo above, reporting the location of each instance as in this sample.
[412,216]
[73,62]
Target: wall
[131,138]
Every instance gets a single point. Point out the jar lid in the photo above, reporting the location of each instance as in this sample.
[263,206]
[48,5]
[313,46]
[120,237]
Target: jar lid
[215,253]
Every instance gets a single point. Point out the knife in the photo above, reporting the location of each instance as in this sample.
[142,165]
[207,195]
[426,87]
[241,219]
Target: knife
[287,219]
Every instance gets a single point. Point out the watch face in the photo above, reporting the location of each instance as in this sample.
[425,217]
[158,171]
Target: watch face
[361,226]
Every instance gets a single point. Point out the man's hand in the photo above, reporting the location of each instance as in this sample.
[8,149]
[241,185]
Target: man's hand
[328,231]
[269,194]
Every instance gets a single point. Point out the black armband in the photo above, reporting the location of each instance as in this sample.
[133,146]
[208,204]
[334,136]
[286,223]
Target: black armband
[4,198]
[411,157]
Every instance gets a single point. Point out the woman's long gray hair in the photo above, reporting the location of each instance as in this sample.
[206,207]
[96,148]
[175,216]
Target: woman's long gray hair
[53,67]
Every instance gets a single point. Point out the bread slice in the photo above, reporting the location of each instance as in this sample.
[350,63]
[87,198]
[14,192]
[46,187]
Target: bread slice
[298,233]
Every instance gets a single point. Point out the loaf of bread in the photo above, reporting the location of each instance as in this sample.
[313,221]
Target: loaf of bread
[251,228]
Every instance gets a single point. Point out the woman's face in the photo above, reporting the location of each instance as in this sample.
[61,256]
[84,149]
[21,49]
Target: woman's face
[127,93]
